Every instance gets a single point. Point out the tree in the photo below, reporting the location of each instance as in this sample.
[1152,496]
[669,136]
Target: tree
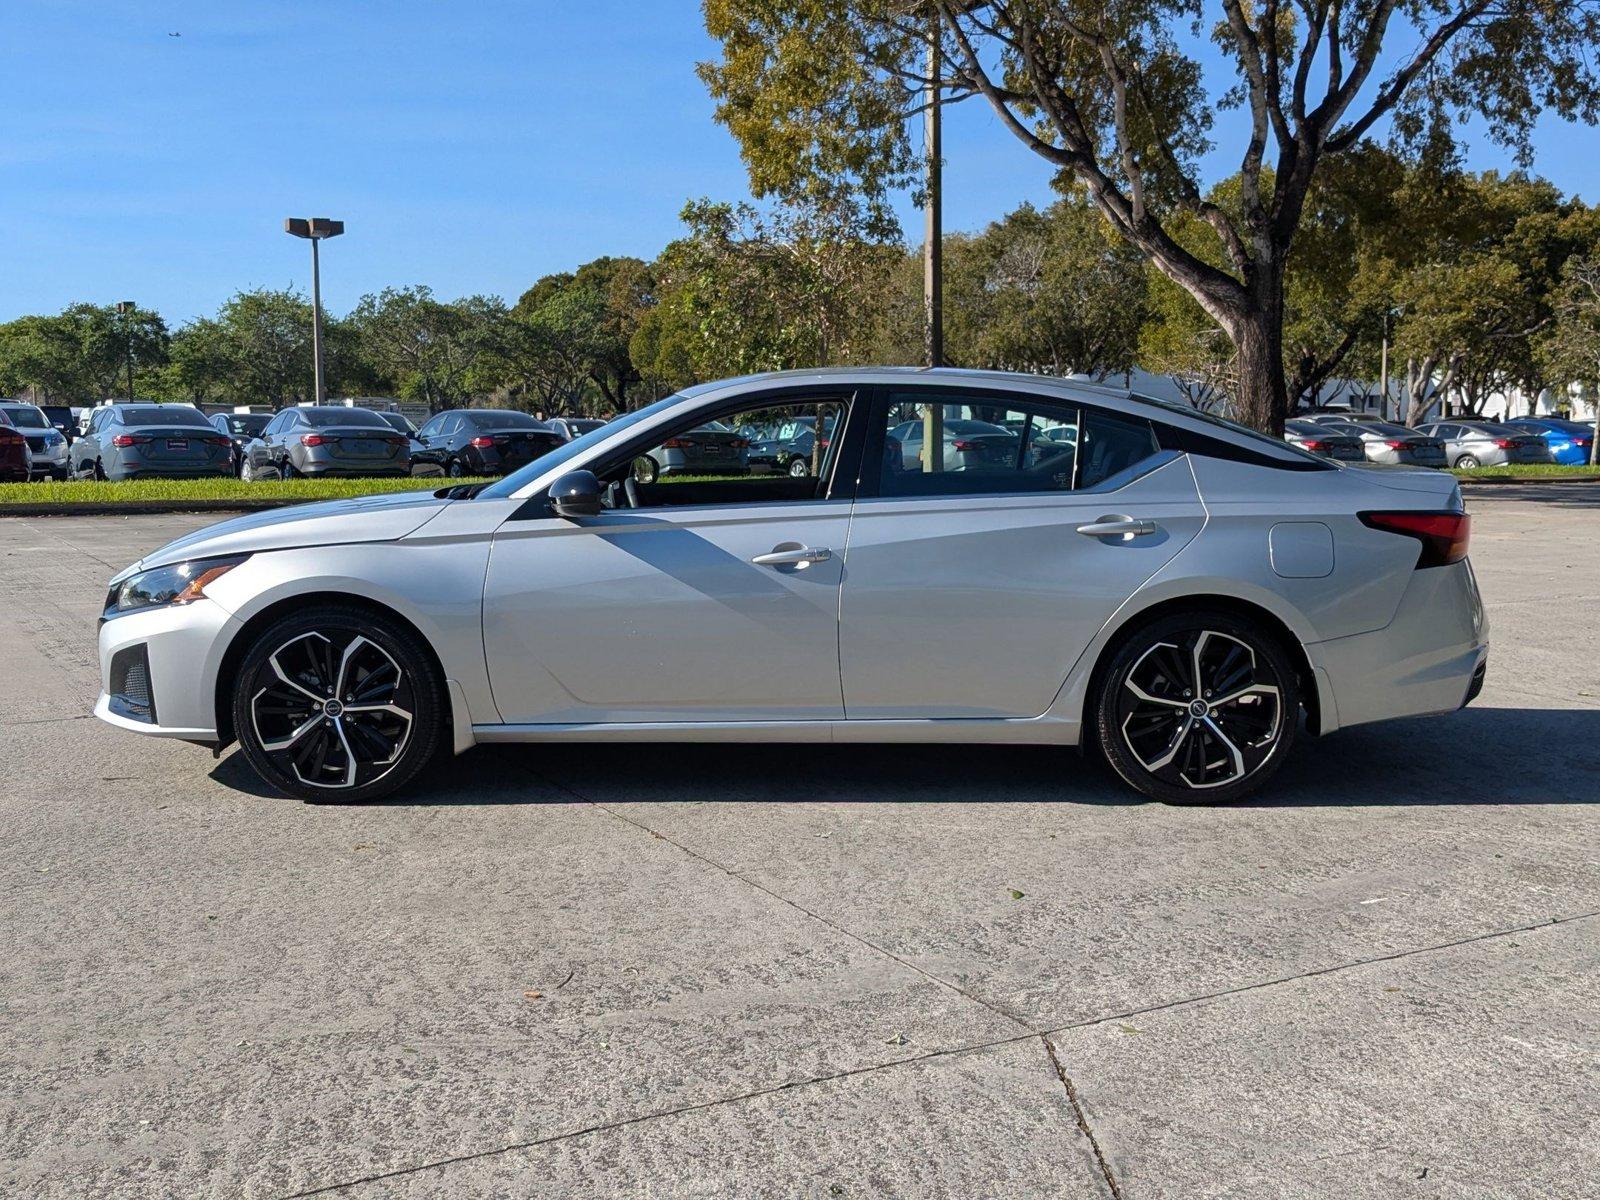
[749,291]
[1572,350]
[82,355]
[577,328]
[1052,292]
[429,348]
[816,91]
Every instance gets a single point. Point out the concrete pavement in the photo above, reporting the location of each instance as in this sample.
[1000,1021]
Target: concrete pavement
[715,971]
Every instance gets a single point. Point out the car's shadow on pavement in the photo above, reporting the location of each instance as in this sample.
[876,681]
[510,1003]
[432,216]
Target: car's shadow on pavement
[1476,756]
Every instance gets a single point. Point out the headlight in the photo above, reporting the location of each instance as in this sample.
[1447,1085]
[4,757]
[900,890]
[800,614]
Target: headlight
[180,583]
[53,438]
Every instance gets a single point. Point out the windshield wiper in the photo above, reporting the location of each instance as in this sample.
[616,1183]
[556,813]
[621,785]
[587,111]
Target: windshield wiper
[462,491]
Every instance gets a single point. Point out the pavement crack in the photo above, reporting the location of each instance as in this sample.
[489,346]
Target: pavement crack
[794,904]
[643,1118]
[1082,1118]
[1224,993]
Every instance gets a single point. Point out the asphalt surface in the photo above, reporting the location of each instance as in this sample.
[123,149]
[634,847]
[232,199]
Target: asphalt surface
[810,971]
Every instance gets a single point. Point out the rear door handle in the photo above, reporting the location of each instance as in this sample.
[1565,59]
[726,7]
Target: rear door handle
[1117,526]
[789,554]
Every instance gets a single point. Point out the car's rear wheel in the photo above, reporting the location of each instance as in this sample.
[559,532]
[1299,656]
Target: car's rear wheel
[338,704]
[799,468]
[1198,708]
[99,471]
[1468,462]
[455,470]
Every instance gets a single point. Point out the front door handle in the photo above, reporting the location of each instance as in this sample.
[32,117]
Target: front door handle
[1114,525]
[792,554]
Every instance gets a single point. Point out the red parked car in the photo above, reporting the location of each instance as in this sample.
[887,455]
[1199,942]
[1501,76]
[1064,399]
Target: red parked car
[14,457]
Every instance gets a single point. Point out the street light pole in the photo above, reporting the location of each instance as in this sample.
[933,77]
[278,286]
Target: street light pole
[315,229]
[125,310]
[933,218]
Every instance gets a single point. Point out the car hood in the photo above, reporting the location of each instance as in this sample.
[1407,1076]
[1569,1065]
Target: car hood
[328,523]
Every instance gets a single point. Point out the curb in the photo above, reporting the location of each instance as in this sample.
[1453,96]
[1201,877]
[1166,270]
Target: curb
[1526,480]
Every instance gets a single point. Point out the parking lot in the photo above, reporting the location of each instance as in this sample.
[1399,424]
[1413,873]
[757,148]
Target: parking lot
[696,971]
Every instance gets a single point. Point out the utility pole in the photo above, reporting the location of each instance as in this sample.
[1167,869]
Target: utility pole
[933,217]
[315,229]
[932,251]
[1383,373]
[125,310]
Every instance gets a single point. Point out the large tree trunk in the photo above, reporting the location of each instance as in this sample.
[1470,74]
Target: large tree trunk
[1262,398]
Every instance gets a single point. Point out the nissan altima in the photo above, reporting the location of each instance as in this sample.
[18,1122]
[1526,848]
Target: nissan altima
[1181,593]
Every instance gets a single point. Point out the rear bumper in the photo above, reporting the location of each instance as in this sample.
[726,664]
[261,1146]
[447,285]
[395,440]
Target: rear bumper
[1429,659]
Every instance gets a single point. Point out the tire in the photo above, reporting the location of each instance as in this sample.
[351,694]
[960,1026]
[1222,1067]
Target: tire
[454,469]
[339,758]
[1154,735]
[99,472]
[1468,462]
[247,473]
[645,469]
[799,468]
[287,471]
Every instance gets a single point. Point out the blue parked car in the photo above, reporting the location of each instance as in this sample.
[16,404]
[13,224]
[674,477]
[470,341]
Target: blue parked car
[1569,441]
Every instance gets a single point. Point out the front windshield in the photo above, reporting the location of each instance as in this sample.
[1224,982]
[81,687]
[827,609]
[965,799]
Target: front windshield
[246,424]
[398,422]
[28,418]
[502,419]
[508,485]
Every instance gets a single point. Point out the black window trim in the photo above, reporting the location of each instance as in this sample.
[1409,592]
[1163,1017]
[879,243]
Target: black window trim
[842,482]
[877,430]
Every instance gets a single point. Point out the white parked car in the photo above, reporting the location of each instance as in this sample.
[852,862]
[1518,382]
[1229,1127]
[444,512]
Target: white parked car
[1175,588]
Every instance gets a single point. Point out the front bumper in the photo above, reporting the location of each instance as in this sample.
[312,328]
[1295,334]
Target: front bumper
[183,646]
[1429,659]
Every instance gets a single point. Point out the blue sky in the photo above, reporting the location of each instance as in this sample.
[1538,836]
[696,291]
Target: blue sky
[472,146]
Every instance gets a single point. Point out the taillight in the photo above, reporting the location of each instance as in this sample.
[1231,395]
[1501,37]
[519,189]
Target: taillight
[218,441]
[1506,443]
[128,439]
[482,443]
[395,441]
[313,439]
[739,444]
[1312,445]
[1395,444]
[966,444]
[678,444]
[1444,535]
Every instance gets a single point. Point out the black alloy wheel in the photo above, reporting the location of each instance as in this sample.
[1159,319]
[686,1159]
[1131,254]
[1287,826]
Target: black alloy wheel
[1198,708]
[337,705]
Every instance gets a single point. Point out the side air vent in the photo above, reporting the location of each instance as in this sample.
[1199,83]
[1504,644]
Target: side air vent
[131,696]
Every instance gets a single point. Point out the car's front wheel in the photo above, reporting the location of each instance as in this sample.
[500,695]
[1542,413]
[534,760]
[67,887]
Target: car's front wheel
[800,468]
[1198,708]
[338,704]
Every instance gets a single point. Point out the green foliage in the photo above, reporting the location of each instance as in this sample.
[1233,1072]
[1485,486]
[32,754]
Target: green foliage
[433,351]
[748,291]
[572,334]
[1113,96]
[179,491]
[81,355]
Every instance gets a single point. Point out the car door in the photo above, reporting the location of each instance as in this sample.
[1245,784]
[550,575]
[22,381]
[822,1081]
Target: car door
[86,450]
[714,600]
[972,588]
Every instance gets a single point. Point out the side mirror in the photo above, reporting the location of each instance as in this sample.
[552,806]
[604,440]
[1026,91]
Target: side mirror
[576,494]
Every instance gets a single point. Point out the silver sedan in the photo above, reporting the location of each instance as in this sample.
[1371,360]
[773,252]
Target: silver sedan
[1183,593]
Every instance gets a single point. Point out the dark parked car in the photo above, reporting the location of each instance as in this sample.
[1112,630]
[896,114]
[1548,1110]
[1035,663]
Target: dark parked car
[421,462]
[572,428]
[326,441]
[14,458]
[241,429]
[47,446]
[128,441]
[1327,440]
[486,441]
[61,420]
[789,448]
